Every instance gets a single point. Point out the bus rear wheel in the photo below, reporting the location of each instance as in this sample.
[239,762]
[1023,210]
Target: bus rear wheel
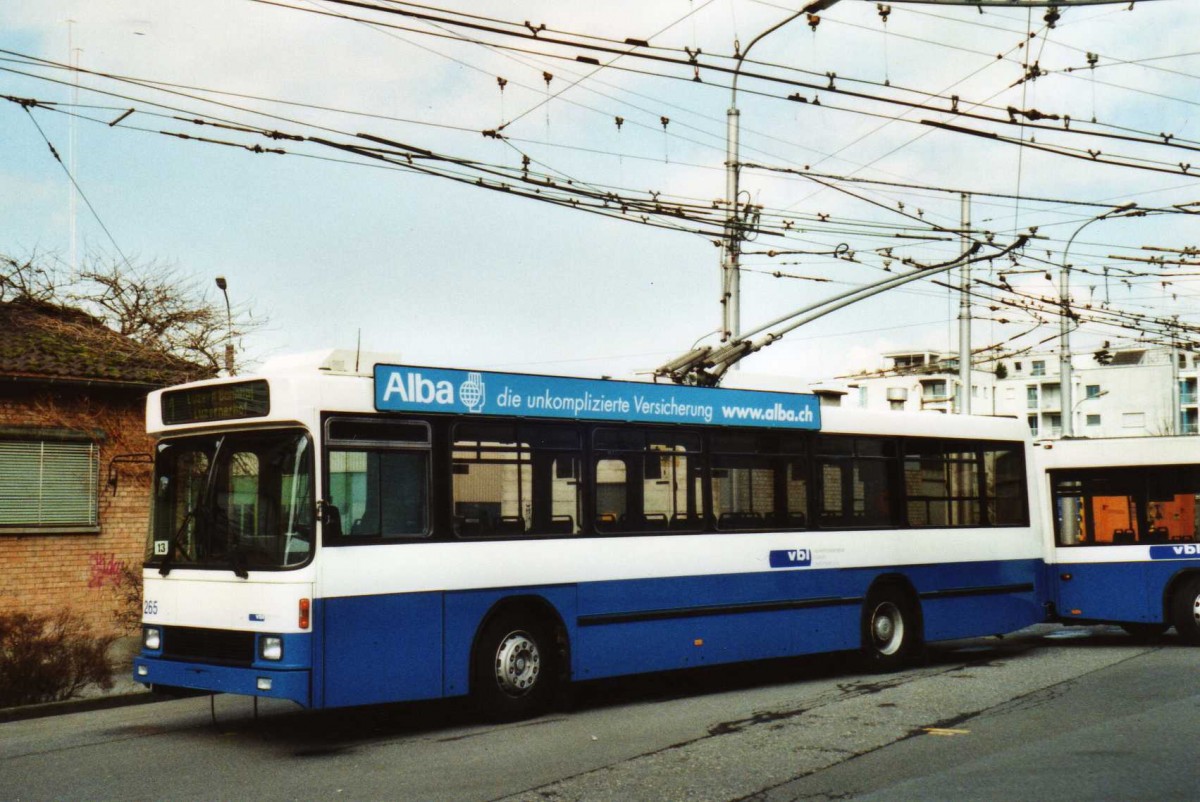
[1185,611]
[891,637]
[515,668]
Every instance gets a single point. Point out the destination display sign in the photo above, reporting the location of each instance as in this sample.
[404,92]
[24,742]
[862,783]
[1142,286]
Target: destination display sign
[401,388]
[249,399]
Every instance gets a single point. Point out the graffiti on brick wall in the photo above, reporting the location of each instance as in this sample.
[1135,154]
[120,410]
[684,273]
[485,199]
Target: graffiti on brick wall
[106,569]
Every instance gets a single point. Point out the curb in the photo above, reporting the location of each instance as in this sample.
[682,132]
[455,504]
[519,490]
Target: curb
[46,709]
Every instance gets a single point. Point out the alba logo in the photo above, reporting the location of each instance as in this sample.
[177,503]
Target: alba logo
[413,388]
[471,393]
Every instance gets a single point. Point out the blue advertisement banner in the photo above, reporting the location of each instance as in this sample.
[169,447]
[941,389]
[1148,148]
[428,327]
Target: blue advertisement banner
[400,388]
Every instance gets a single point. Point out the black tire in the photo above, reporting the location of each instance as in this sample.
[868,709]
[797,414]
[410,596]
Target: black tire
[515,668]
[1145,633]
[891,636]
[1185,611]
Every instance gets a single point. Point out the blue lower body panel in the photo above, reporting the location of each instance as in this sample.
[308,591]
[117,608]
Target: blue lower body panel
[411,646]
[1128,592]
[380,648]
[637,626]
[291,684]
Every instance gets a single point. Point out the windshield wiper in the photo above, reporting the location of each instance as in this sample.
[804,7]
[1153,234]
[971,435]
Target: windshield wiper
[237,557]
[165,567]
[203,498]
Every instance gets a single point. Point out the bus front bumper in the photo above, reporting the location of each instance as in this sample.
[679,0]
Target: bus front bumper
[294,685]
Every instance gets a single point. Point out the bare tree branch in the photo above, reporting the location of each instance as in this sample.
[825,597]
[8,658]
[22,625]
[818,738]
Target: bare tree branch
[153,303]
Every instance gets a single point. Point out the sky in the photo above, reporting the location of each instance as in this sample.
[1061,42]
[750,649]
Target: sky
[332,247]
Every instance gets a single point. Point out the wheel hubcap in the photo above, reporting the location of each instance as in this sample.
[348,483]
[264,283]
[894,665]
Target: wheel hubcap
[887,628]
[518,663]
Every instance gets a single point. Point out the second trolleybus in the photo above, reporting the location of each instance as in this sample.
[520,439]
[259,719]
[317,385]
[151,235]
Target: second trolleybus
[1123,532]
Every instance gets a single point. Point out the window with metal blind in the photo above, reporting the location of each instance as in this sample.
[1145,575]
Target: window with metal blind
[48,484]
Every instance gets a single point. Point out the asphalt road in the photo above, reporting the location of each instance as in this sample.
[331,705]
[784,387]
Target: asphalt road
[1082,714]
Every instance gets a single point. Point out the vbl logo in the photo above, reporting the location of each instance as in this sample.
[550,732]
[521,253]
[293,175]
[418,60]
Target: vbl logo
[791,558]
[1189,550]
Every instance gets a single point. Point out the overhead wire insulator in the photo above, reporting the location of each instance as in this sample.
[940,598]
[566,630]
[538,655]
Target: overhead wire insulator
[884,11]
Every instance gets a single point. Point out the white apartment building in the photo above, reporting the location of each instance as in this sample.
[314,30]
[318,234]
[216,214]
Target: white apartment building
[1123,393]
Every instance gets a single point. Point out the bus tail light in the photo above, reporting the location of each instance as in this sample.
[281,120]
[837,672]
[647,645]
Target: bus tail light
[305,606]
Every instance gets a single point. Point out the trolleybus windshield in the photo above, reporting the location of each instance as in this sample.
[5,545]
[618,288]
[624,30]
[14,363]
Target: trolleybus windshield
[233,501]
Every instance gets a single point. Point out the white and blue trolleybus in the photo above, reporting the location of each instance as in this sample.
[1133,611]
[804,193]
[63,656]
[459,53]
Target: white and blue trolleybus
[337,535]
[1126,533]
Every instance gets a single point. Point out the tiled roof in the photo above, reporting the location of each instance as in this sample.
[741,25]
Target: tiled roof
[45,341]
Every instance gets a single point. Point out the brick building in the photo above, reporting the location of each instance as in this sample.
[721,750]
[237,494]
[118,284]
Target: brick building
[74,458]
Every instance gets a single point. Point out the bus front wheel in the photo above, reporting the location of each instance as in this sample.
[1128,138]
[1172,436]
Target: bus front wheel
[891,637]
[515,668]
[1185,611]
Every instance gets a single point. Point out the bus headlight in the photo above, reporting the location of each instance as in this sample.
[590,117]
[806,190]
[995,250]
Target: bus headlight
[151,639]
[270,647]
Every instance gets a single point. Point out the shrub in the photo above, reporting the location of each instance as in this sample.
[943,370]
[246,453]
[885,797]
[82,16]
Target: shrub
[47,658]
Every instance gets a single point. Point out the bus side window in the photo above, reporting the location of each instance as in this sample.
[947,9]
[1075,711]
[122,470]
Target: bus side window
[744,486]
[611,502]
[516,479]
[1171,514]
[377,483]
[379,493]
[647,480]
[855,481]
[1068,518]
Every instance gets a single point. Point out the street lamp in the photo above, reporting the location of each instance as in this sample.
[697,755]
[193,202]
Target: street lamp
[223,286]
[731,279]
[1064,324]
[1075,406]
